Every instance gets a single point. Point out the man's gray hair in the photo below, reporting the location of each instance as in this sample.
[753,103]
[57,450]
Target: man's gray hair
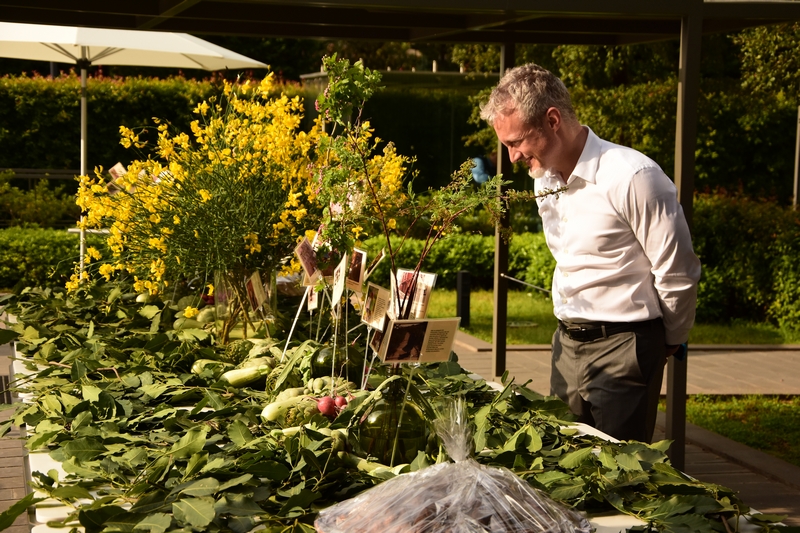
[529,90]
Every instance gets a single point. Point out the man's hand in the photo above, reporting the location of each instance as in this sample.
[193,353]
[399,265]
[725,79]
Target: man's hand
[672,348]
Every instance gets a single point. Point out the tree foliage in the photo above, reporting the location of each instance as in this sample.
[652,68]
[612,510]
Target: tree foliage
[770,62]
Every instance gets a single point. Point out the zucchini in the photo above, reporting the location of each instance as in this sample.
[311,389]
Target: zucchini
[206,315]
[239,377]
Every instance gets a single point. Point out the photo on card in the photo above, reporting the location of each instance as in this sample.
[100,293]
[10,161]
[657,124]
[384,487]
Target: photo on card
[376,341]
[355,272]
[409,298]
[419,341]
[313,299]
[374,263]
[308,260]
[404,341]
[339,281]
[376,303]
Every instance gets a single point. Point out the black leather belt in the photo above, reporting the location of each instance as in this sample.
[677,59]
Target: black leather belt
[591,331]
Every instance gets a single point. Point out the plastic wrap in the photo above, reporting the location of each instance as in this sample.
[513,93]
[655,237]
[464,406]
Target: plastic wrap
[459,497]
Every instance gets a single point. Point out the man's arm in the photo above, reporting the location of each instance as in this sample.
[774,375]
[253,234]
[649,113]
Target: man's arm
[657,219]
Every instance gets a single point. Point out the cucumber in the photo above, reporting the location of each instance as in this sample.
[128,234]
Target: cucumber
[217,367]
[206,315]
[239,377]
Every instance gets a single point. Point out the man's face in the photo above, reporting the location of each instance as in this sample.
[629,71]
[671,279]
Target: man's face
[534,146]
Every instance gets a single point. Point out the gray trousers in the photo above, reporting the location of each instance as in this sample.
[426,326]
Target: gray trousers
[612,383]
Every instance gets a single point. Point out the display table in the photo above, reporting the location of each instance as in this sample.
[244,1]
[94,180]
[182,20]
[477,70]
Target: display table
[50,510]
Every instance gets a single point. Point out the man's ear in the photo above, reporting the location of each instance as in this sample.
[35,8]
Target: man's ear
[553,119]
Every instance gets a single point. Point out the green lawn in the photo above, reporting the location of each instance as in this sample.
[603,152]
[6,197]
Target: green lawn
[767,423]
[531,321]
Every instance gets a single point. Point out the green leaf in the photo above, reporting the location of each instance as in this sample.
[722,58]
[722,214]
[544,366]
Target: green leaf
[239,433]
[197,512]
[84,449]
[301,500]
[535,443]
[196,462]
[627,461]
[191,443]
[237,505]
[155,523]
[215,400]
[149,311]
[567,492]
[7,335]
[607,459]
[575,459]
[155,390]
[235,481]
[481,427]
[151,502]
[764,518]
[8,516]
[73,492]
[673,506]
[91,393]
[202,487]
[193,334]
[94,519]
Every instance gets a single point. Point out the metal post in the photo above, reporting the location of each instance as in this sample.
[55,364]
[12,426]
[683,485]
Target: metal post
[83,64]
[463,286]
[796,162]
[685,143]
[499,323]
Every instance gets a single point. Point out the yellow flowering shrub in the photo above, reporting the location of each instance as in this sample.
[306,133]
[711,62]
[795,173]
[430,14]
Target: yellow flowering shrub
[232,195]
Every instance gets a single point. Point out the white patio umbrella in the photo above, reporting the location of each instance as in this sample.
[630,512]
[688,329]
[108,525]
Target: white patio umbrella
[86,46]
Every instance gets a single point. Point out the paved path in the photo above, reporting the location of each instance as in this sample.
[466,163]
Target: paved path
[765,483]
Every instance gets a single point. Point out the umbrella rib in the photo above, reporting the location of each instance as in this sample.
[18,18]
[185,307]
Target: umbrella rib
[190,58]
[105,53]
[61,50]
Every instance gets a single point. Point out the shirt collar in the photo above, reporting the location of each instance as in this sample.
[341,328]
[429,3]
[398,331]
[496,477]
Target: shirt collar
[586,168]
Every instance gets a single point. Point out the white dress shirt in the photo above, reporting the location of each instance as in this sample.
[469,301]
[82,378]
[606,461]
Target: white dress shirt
[621,243]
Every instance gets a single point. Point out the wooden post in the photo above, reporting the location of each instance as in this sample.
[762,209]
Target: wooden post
[685,143]
[499,324]
[462,297]
[796,163]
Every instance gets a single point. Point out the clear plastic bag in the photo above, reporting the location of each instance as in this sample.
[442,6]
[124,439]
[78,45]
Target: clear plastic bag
[458,497]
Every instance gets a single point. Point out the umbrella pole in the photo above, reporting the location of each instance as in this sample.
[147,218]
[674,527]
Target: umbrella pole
[83,151]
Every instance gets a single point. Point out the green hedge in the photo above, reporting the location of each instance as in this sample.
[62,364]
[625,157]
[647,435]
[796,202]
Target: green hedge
[40,120]
[529,259]
[39,257]
[745,142]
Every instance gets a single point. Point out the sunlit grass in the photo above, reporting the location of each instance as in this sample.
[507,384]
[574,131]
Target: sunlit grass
[767,423]
[530,315]
[531,321]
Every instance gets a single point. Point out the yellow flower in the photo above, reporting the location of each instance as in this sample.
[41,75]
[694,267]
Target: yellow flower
[93,253]
[210,287]
[391,223]
[190,312]
[204,195]
[106,270]
[176,220]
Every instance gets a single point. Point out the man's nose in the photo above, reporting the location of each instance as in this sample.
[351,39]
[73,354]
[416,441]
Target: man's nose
[514,155]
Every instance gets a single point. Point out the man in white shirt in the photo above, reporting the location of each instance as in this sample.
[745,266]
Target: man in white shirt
[625,284]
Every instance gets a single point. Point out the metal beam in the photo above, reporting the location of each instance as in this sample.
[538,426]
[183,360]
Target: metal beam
[685,144]
[500,319]
[166,10]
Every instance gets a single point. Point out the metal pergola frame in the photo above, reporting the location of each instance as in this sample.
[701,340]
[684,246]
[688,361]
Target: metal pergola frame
[506,22]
